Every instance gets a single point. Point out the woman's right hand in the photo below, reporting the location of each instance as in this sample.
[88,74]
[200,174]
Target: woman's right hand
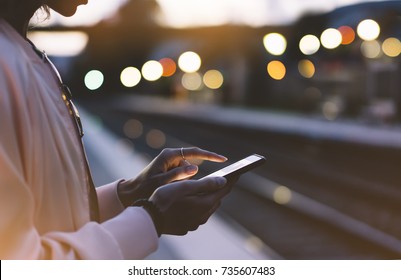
[170,165]
[185,205]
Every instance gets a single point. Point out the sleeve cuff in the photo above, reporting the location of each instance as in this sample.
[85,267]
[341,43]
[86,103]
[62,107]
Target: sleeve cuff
[109,202]
[134,231]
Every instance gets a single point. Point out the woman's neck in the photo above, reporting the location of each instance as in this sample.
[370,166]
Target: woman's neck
[20,26]
[19,20]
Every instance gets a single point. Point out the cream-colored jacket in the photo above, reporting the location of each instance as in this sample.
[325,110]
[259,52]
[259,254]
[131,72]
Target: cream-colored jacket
[44,205]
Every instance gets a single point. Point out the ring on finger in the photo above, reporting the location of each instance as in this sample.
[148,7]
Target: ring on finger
[182,154]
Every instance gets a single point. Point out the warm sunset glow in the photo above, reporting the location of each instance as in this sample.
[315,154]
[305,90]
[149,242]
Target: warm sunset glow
[63,43]
[189,13]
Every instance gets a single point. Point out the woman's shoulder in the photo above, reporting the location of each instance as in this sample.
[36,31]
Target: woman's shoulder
[11,46]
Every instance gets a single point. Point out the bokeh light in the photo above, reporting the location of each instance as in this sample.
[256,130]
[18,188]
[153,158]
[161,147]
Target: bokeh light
[368,30]
[152,70]
[282,195]
[371,49]
[130,77]
[156,139]
[348,34]
[331,38]
[391,47]
[133,129]
[306,68]
[169,66]
[275,43]
[330,110]
[276,70]
[192,81]
[309,44]
[213,79]
[94,79]
[189,62]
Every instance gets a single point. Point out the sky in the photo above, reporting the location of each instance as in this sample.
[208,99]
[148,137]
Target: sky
[188,13]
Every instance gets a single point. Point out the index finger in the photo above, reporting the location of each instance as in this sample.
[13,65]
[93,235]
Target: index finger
[197,153]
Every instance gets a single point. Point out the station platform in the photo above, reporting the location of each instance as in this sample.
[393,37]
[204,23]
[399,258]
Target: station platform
[219,238]
[215,240]
[316,127]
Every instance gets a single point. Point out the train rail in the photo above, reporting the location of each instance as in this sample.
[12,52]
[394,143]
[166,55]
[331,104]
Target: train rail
[312,200]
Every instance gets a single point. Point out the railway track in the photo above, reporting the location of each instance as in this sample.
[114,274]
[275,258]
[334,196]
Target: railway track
[312,200]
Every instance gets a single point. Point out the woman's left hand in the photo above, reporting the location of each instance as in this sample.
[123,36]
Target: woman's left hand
[169,166]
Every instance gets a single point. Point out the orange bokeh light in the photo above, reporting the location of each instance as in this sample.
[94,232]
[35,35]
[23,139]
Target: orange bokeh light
[348,34]
[276,70]
[169,67]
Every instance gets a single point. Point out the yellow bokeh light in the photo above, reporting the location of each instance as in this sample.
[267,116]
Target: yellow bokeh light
[306,68]
[275,43]
[392,47]
[152,70]
[189,62]
[213,79]
[130,77]
[331,38]
[282,195]
[309,44]
[371,49]
[276,70]
[368,30]
[192,81]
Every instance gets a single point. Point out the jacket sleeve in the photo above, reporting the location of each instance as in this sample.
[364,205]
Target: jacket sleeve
[130,234]
[109,203]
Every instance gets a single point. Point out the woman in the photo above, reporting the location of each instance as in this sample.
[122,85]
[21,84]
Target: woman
[49,208]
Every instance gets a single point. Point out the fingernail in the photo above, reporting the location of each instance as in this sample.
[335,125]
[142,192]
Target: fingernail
[191,169]
[221,181]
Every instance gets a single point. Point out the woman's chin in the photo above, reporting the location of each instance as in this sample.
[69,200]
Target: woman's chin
[69,10]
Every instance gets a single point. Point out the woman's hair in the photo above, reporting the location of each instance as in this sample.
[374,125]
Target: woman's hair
[7,6]
[46,9]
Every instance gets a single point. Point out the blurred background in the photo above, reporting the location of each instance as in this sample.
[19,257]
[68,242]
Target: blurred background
[315,86]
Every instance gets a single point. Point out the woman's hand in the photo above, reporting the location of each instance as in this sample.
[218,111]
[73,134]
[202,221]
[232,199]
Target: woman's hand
[169,166]
[186,205]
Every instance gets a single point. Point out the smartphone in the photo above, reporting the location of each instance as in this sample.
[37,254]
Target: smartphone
[239,167]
